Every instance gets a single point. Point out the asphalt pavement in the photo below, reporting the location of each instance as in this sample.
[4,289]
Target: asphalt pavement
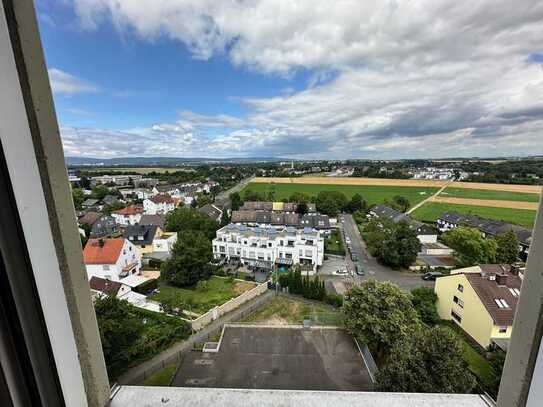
[372,268]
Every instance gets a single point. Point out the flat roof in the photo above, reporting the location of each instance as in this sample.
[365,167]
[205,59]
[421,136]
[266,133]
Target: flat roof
[288,358]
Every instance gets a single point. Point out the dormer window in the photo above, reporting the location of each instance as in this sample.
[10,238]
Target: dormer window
[515,292]
[501,303]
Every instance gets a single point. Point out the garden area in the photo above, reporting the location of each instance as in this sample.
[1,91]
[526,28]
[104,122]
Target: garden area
[283,310]
[333,244]
[203,296]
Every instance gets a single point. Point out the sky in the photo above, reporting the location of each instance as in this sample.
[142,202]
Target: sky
[296,79]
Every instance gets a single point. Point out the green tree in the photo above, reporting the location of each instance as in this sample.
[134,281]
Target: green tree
[331,202]
[470,247]
[301,208]
[424,300]
[401,203]
[400,247]
[299,197]
[184,219]
[78,197]
[427,361]
[507,247]
[235,201]
[190,261]
[380,314]
[119,330]
[252,196]
[99,192]
[357,203]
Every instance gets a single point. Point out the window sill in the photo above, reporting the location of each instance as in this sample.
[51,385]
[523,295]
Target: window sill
[188,396]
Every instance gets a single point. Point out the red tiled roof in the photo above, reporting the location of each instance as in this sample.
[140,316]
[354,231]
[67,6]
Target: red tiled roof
[162,198]
[103,251]
[130,210]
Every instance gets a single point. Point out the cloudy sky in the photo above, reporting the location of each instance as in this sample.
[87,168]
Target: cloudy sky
[302,79]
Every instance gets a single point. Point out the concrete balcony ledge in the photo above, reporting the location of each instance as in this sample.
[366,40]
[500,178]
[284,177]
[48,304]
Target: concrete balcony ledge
[135,396]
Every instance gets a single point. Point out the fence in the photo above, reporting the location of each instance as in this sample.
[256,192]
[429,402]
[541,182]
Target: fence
[368,360]
[228,306]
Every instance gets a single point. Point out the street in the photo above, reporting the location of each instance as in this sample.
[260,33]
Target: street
[370,265]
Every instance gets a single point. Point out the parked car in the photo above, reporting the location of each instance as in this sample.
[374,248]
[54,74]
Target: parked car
[354,257]
[348,240]
[359,270]
[432,275]
[341,272]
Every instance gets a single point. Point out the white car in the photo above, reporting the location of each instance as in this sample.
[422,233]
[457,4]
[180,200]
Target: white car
[348,240]
[341,272]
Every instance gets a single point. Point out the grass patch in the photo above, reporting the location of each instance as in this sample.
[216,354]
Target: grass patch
[489,194]
[373,194]
[282,310]
[430,211]
[333,243]
[478,364]
[204,296]
[163,377]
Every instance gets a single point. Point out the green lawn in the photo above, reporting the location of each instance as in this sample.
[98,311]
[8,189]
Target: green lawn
[215,291]
[430,211]
[333,244]
[161,378]
[282,310]
[478,364]
[373,194]
[489,194]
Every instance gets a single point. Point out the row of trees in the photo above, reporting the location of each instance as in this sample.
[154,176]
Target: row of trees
[311,288]
[413,356]
[394,244]
[471,248]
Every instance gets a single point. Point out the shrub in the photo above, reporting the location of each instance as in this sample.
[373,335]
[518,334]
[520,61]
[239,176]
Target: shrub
[335,299]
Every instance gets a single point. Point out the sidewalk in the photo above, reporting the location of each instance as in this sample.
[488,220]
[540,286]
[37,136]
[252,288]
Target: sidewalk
[138,373]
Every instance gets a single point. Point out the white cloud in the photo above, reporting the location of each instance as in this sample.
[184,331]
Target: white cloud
[389,78]
[67,84]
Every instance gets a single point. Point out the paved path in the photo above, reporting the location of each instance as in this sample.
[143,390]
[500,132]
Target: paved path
[371,266]
[429,199]
[224,196]
[138,373]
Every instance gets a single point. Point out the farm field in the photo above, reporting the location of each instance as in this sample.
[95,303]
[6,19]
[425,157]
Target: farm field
[487,202]
[430,211]
[489,194]
[373,194]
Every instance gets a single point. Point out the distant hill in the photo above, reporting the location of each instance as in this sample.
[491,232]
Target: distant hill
[165,161]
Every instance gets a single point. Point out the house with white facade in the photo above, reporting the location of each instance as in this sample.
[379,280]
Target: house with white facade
[131,215]
[158,205]
[124,290]
[268,247]
[164,241]
[140,193]
[111,259]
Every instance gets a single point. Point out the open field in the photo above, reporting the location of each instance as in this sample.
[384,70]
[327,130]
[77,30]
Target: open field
[489,194]
[533,189]
[215,291]
[351,181]
[373,194]
[430,211]
[487,202]
[282,310]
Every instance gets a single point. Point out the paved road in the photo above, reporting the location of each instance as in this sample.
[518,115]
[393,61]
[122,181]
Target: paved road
[430,198]
[374,269]
[224,196]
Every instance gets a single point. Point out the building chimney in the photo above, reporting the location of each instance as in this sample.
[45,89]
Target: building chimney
[514,270]
[101,242]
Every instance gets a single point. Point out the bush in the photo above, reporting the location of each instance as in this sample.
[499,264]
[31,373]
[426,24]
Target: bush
[424,300]
[335,299]
[155,263]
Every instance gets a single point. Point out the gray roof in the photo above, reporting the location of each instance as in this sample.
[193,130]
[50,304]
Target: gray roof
[384,211]
[157,220]
[90,202]
[147,232]
[104,226]
[109,199]
[211,210]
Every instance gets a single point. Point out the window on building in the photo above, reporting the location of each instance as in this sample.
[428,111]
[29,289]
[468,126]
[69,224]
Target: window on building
[456,317]
[502,329]
[458,301]
[460,288]
[515,292]
[105,266]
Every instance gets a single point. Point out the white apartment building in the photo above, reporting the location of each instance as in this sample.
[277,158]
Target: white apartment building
[131,215]
[158,205]
[111,259]
[266,247]
[115,179]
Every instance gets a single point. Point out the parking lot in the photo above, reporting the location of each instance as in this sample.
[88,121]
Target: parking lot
[288,358]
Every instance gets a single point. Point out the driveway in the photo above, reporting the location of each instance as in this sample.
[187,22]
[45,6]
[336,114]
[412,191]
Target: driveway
[373,269]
